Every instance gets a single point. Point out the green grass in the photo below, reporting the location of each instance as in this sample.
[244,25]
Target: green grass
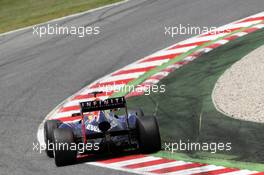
[188,95]
[15,14]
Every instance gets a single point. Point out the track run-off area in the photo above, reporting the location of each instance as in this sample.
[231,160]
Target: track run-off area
[147,72]
[37,74]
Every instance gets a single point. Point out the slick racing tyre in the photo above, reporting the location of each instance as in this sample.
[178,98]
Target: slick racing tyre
[63,152]
[148,134]
[49,127]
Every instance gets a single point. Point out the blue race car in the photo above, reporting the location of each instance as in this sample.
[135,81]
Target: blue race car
[104,126]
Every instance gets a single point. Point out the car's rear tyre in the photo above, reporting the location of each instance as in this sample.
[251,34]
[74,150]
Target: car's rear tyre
[63,140]
[148,134]
[49,127]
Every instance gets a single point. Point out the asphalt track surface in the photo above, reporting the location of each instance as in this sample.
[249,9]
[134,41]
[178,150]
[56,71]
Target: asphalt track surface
[37,74]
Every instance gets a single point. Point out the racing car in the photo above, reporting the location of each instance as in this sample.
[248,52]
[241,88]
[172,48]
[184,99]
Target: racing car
[103,126]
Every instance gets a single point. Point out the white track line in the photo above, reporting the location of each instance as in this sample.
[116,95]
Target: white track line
[121,77]
[260,26]
[133,161]
[240,172]
[196,170]
[161,166]
[240,34]
[238,25]
[174,51]
[145,64]
[204,38]
[222,42]
[256,15]
[119,168]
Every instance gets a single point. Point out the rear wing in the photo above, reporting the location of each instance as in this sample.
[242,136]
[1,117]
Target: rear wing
[97,105]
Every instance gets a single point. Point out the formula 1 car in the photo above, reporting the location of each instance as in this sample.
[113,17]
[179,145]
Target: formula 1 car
[104,126]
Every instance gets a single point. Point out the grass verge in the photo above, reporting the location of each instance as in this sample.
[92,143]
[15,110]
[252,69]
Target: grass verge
[188,96]
[18,14]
